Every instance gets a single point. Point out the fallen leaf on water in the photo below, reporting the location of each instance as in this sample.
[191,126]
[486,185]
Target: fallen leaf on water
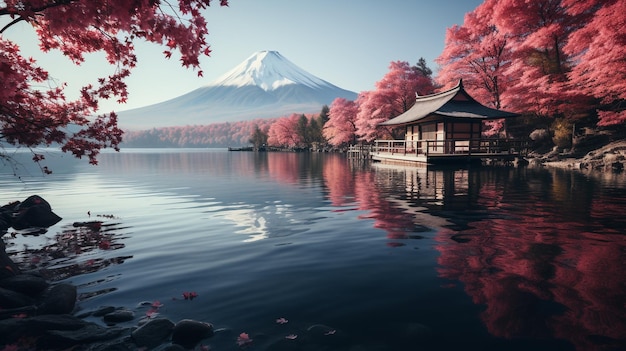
[243,339]
[281,320]
[190,295]
[291,336]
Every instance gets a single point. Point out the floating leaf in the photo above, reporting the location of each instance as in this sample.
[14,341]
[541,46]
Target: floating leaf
[243,339]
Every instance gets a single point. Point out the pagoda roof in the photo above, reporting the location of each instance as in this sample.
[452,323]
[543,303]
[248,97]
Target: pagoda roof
[453,103]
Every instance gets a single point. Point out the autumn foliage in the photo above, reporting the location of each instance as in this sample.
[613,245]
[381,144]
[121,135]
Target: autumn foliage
[559,59]
[556,59]
[395,93]
[35,111]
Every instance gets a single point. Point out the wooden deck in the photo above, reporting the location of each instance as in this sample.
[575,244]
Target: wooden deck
[445,151]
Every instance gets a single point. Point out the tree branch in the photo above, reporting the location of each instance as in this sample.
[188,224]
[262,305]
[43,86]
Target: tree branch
[6,11]
[19,19]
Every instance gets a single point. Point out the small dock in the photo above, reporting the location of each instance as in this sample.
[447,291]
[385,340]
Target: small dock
[242,148]
[360,151]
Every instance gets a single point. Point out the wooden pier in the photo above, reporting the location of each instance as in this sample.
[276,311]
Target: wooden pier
[440,151]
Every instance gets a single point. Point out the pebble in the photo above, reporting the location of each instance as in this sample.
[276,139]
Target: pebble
[119,316]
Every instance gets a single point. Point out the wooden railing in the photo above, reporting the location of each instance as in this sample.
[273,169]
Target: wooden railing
[452,147]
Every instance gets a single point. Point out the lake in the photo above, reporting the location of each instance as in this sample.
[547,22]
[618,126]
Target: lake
[385,257]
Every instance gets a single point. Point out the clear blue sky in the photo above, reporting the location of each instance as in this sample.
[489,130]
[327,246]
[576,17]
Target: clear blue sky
[349,43]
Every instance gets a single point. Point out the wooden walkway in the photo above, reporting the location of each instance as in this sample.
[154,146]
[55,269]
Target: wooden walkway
[440,151]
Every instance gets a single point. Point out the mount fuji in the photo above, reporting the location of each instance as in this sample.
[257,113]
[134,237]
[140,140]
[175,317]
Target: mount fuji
[265,85]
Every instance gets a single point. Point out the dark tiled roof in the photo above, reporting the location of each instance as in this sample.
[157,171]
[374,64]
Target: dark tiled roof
[444,104]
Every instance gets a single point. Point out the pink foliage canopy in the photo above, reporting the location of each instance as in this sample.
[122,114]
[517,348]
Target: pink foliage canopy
[284,132]
[341,126]
[477,52]
[394,94]
[599,48]
[30,115]
[560,58]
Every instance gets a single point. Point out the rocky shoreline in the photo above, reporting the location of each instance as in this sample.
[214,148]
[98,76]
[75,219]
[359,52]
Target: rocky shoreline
[38,315]
[608,158]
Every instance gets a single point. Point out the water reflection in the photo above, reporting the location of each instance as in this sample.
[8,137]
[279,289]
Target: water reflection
[79,249]
[543,251]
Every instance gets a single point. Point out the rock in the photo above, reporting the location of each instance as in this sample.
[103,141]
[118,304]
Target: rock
[7,267]
[10,330]
[188,333]
[153,333]
[34,212]
[119,316]
[617,166]
[54,322]
[16,328]
[518,162]
[89,333]
[25,283]
[58,299]
[102,311]
[10,299]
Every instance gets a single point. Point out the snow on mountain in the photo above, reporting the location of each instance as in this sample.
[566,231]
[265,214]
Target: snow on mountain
[265,85]
[268,70]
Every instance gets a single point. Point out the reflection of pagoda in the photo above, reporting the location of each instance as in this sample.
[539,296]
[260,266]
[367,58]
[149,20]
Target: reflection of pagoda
[427,194]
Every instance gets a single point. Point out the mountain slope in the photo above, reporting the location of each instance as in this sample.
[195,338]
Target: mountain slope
[263,86]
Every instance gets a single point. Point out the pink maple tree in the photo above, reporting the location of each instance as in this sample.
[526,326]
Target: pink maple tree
[550,58]
[31,115]
[599,48]
[284,132]
[537,32]
[340,128]
[394,94]
[476,52]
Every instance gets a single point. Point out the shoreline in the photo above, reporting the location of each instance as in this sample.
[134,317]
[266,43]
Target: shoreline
[607,158]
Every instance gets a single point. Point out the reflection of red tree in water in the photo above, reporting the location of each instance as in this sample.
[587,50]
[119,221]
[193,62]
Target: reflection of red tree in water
[346,186]
[339,181]
[541,276]
[281,166]
[77,250]
[386,216]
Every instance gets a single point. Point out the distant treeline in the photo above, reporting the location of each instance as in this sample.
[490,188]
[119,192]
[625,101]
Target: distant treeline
[211,135]
[296,131]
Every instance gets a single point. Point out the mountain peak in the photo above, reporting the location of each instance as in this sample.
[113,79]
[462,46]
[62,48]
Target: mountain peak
[268,70]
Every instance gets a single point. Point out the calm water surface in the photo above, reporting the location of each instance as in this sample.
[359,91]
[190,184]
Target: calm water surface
[390,258]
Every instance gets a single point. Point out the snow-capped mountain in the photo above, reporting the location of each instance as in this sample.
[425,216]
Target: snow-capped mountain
[268,70]
[265,85]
